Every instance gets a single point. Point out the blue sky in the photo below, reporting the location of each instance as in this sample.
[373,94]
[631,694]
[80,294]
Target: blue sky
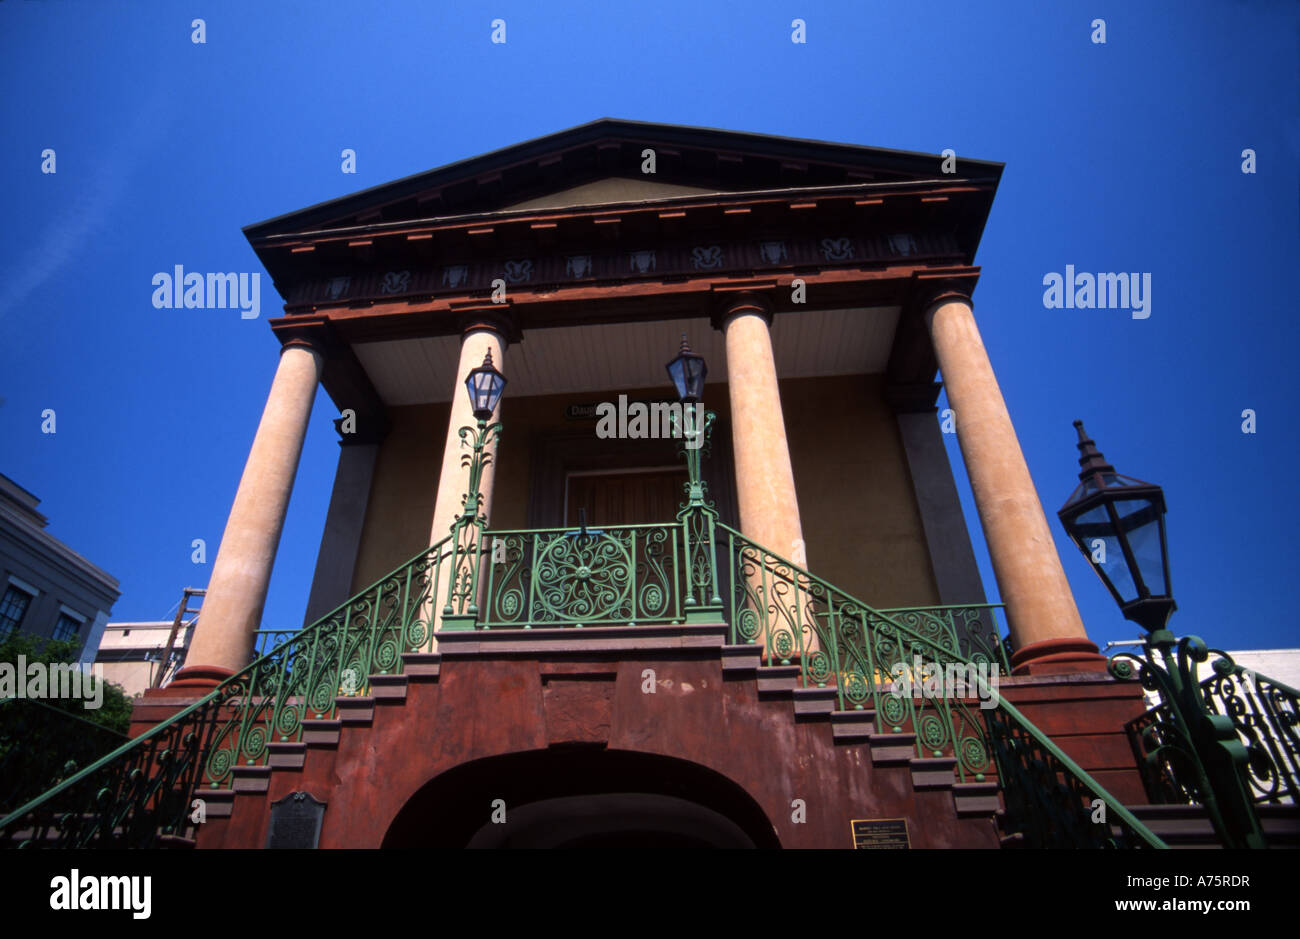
[1120,157]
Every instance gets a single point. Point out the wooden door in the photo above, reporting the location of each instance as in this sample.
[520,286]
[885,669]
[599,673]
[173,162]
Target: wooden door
[632,498]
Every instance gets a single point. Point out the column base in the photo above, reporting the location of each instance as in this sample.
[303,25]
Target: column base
[696,615]
[1057,657]
[457,622]
[194,678]
[1084,715]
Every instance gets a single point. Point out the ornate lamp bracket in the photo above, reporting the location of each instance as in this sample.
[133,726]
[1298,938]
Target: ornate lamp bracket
[461,608]
[1189,739]
[698,516]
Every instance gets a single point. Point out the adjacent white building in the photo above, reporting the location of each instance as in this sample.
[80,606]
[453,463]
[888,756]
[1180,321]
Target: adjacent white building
[47,589]
[132,653]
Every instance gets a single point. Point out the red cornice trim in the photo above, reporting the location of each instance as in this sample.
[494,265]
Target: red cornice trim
[606,214]
[594,303]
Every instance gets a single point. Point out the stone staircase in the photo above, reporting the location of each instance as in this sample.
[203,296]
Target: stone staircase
[385,691]
[1179,825]
[971,800]
[1188,826]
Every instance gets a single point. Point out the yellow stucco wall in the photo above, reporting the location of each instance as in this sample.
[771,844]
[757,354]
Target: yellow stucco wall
[860,520]
[400,511]
[859,513]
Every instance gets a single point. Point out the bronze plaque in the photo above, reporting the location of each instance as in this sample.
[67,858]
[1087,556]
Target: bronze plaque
[295,821]
[880,834]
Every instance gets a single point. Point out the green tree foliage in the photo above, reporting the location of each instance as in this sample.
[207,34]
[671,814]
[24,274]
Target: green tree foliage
[115,711]
[43,741]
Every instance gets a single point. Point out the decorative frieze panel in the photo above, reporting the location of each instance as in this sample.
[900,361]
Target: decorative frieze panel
[557,270]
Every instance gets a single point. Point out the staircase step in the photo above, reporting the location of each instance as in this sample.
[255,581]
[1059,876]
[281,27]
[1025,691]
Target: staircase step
[1189,826]
[1281,824]
[321,733]
[174,842]
[1178,824]
[892,749]
[355,710]
[814,702]
[741,660]
[421,666]
[287,755]
[777,680]
[217,803]
[1186,838]
[972,799]
[388,688]
[852,726]
[251,778]
[933,772]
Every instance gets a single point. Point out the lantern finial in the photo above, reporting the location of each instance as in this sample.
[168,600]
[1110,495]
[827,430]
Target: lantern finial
[1091,459]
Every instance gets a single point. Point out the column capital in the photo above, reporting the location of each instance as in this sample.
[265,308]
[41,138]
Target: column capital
[941,284]
[937,297]
[341,373]
[314,333]
[492,318]
[313,345]
[741,304]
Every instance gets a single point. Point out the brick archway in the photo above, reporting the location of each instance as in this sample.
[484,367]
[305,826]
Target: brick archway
[581,796]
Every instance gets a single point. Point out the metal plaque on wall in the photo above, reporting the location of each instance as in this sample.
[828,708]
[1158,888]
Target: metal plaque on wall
[295,821]
[880,834]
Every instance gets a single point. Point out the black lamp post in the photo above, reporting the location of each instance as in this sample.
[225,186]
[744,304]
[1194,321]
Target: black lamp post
[1118,522]
[698,515]
[688,371]
[484,386]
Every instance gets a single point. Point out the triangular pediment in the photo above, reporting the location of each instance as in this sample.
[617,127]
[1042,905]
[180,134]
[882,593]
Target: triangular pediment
[611,190]
[604,162]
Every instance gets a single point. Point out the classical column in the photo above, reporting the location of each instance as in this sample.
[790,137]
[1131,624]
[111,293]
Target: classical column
[232,609]
[1045,625]
[765,493]
[478,339]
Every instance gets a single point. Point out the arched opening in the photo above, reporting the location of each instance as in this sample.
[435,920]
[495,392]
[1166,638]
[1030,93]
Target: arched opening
[580,798]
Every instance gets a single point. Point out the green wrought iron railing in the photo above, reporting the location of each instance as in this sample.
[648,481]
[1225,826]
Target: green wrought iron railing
[265,640]
[904,664]
[145,789]
[1265,713]
[626,575]
[931,672]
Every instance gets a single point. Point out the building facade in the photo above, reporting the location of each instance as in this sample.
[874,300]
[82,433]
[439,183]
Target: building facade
[556,620]
[49,590]
[610,663]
